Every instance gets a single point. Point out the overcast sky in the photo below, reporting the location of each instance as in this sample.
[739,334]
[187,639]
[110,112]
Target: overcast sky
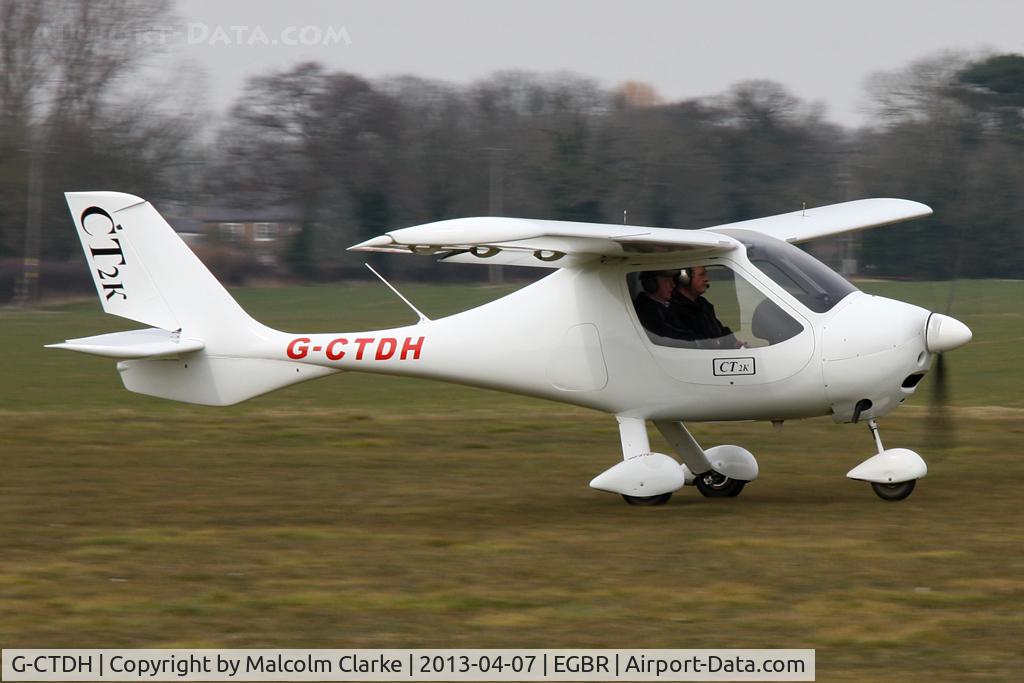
[821,50]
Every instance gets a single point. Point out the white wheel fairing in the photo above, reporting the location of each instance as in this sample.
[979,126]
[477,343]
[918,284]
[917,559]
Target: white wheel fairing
[647,475]
[891,466]
[734,462]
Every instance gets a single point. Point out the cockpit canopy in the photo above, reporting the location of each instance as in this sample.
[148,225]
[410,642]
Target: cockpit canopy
[735,312]
[730,314]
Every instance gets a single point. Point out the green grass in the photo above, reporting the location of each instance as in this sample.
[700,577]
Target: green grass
[362,511]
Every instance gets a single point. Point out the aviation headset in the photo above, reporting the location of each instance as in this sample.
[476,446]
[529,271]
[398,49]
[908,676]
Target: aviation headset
[649,279]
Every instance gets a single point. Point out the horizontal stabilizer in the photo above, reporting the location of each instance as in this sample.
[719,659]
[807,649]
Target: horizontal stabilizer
[151,343]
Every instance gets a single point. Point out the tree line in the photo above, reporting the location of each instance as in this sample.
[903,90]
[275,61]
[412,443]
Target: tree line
[358,156]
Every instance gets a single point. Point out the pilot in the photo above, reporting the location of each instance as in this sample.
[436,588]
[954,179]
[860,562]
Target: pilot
[694,315]
[654,303]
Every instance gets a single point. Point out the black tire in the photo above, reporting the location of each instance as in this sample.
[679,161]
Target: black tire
[647,501]
[894,492]
[715,485]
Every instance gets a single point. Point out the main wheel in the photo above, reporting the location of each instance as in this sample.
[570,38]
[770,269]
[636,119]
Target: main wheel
[648,500]
[894,492]
[716,485]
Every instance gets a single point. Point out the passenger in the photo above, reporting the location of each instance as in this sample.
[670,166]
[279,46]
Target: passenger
[694,316]
[654,303]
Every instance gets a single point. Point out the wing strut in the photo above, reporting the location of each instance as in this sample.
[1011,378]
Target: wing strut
[408,303]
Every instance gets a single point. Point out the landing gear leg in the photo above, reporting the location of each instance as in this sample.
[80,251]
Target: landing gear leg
[723,470]
[873,426]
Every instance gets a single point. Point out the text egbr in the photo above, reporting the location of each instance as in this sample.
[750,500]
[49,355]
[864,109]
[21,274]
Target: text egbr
[360,348]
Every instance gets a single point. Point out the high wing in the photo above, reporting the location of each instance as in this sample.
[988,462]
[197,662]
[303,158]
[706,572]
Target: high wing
[834,219]
[557,244]
[547,244]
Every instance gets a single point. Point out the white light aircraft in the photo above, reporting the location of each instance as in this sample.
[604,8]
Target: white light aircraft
[797,340]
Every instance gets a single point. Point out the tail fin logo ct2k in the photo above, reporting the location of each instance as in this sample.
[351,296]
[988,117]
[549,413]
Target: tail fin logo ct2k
[105,251]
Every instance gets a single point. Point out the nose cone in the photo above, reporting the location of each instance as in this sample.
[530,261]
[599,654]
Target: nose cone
[945,334]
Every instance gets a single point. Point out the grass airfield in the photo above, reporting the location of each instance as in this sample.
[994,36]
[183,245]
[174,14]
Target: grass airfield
[362,511]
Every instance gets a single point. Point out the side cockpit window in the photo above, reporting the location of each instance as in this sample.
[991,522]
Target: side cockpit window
[707,307]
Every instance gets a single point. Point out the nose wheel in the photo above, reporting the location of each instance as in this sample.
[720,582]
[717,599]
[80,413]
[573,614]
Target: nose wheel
[892,472]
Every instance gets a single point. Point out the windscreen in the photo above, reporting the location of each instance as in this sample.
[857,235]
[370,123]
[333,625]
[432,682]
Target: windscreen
[810,281]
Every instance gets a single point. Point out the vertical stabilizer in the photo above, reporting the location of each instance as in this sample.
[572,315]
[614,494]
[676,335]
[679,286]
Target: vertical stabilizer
[143,271]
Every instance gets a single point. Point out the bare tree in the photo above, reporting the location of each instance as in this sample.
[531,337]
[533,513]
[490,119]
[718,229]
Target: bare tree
[68,82]
[94,43]
[22,78]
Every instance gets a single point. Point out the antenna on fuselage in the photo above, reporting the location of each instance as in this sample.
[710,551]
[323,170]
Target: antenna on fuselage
[408,303]
[625,212]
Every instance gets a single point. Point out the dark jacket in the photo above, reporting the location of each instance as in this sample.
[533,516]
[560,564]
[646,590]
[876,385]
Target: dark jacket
[696,321]
[656,316]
